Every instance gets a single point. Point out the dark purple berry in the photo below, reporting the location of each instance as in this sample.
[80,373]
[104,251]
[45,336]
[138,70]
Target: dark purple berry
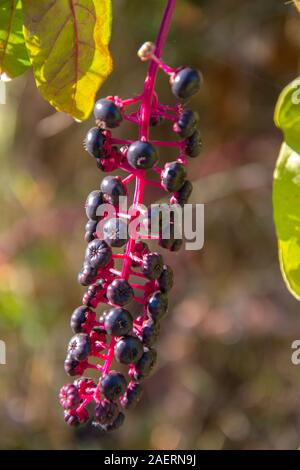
[90,230]
[193,145]
[79,317]
[150,332]
[115,232]
[152,265]
[94,142]
[87,275]
[98,254]
[118,322]
[106,412]
[108,113]
[132,395]
[182,196]
[142,155]
[113,385]
[171,243]
[144,366]
[69,397]
[128,350]
[173,176]
[94,200]
[157,305]
[166,279]
[116,424]
[186,124]
[71,419]
[79,346]
[186,82]
[119,292]
[112,189]
[72,366]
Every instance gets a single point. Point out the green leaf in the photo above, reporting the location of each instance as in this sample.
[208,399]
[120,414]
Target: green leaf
[287,114]
[286,204]
[13,54]
[68,42]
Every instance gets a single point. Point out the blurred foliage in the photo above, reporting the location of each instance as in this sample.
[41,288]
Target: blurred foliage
[225,378]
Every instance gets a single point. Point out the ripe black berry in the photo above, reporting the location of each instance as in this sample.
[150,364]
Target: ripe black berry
[193,145]
[94,200]
[170,243]
[118,322]
[79,346]
[90,230]
[116,424]
[115,232]
[98,254]
[87,275]
[182,196]
[94,142]
[112,188]
[106,412]
[186,124]
[142,155]
[150,332]
[166,279]
[157,305]
[132,395]
[71,419]
[119,292]
[173,176]
[144,366]
[152,265]
[69,397]
[128,350]
[78,318]
[113,385]
[72,366]
[186,83]
[108,113]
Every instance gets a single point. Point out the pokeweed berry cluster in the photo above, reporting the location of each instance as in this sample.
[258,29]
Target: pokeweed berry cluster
[119,334]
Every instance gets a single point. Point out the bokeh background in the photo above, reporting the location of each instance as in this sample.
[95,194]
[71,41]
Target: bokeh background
[225,378]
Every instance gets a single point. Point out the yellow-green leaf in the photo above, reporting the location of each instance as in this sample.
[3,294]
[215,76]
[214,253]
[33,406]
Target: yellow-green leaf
[68,42]
[286,204]
[287,114]
[13,54]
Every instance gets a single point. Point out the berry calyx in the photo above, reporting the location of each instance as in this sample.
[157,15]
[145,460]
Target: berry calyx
[142,155]
[79,346]
[98,254]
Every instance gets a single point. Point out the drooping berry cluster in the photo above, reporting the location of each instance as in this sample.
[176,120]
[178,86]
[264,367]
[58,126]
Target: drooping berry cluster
[120,334]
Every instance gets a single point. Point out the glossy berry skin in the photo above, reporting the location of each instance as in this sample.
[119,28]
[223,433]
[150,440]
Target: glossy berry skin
[107,113]
[94,142]
[152,266]
[173,176]
[142,155]
[157,305]
[79,346]
[106,412]
[132,395]
[186,124]
[71,419]
[119,292]
[98,254]
[112,189]
[90,230]
[79,317]
[186,83]
[115,232]
[72,366]
[128,350]
[150,332]
[93,201]
[166,279]
[145,365]
[113,385]
[118,322]
[182,196]
[116,424]
[69,397]
[193,145]
[87,275]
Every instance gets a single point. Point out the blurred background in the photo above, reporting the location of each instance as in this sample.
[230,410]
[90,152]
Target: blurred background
[224,378]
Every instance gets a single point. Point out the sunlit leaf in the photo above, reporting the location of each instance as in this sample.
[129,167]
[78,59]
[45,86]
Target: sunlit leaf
[286,203]
[287,114]
[13,54]
[67,42]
